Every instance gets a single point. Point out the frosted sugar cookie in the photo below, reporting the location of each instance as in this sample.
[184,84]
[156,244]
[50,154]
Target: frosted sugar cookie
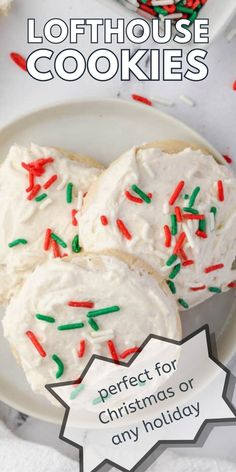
[173,206]
[68,310]
[41,192]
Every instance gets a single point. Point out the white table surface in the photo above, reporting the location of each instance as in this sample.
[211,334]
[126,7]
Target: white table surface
[214,116]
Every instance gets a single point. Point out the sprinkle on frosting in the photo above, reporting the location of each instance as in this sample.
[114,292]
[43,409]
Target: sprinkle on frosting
[75,244]
[141,194]
[70,326]
[103,311]
[58,240]
[60,365]
[214,289]
[34,192]
[175,271]
[176,192]
[50,182]
[104,220]
[36,343]
[81,304]
[18,241]
[213,267]
[69,189]
[41,197]
[183,303]
[74,220]
[48,319]
[178,214]
[47,239]
[194,196]
[93,324]
[172,286]
[174,226]
[180,242]
[167,236]
[113,351]
[81,350]
[196,289]
[171,260]
[132,198]
[220,188]
[123,230]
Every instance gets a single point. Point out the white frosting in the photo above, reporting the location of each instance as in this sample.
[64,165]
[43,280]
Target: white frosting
[145,307]
[21,218]
[159,173]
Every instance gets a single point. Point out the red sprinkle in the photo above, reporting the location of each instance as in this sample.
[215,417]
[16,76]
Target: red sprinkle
[132,198]
[47,239]
[213,267]
[183,255]
[178,214]
[104,220]
[167,236]
[113,351]
[73,216]
[176,192]
[220,187]
[196,289]
[86,304]
[50,182]
[128,352]
[19,60]
[180,242]
[228,159]
[31,182]
[36,343]
[201,234]
[81,350]
[188,262]
[190,216]
[35,190]
[55,248]
[141,99]
[234,86]
[232,285]
[122,228]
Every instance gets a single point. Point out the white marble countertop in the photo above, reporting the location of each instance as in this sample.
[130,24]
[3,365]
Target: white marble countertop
[213,116]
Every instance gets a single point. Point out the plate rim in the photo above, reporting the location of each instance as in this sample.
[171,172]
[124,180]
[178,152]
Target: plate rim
[228,353]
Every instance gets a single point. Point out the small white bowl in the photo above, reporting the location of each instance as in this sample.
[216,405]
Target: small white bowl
[218,13]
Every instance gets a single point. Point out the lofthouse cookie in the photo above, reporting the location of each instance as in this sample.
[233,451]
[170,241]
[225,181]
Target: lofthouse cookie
[68,310]
[173,206]
[41,191]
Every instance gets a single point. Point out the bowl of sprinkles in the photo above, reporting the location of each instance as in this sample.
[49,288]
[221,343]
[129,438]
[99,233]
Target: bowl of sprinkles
[219,15]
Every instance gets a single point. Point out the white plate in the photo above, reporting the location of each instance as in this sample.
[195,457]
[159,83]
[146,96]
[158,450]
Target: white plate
[104,129]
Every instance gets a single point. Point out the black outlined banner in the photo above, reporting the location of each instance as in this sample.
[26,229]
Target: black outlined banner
[166,394]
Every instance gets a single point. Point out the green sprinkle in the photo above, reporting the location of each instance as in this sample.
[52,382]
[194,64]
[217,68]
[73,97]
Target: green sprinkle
[141,194]
[214,289]
[186,196]
[202,225]
[172,286]
[175,271]
[161,11]
[103,311]
[41,197]
[75,244]
[58,240]
[191,210]
[194,196]
[193,17]
[69,189]
[171,260]
[183,303]
[70,326]
[93,324]
[174,229]
[75,392]
[60,365]
[17,241]
[48,319]
[214,210]
[184,9]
